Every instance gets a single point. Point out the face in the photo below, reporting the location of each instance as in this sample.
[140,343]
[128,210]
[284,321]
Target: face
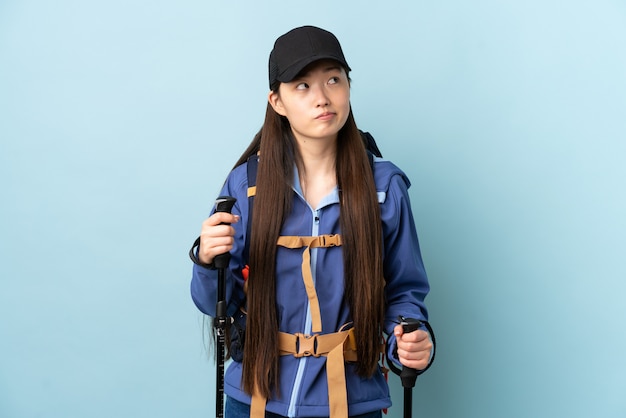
[316,103]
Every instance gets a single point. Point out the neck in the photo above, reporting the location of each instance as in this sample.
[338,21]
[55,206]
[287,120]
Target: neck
[318,172]
[318,156]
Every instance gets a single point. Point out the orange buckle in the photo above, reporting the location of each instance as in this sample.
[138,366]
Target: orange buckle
[332,240]
[306,345]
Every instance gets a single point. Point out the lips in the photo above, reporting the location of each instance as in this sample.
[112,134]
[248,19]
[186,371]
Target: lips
[325,116]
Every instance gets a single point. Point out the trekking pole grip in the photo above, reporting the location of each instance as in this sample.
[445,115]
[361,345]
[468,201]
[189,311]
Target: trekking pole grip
[408,376]
[223,204]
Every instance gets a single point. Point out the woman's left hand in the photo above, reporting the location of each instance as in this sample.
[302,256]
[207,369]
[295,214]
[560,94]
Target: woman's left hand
[414,348]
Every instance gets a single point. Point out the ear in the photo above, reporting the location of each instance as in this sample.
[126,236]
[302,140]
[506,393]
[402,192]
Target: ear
[274,100]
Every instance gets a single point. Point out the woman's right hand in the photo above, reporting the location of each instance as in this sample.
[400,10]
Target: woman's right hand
[216,236]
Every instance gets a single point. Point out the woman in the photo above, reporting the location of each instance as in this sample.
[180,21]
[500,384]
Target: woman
[333,256]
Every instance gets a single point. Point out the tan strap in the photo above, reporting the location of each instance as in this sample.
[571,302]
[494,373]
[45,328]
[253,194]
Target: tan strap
[323,241]
[257,404]
[336,376]
[337,347]
[301,345]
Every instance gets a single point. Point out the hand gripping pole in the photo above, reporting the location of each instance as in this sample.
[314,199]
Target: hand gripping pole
[408,376]
[222,204]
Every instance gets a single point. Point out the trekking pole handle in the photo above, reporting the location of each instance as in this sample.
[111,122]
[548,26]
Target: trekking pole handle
[408,376]
[223,204]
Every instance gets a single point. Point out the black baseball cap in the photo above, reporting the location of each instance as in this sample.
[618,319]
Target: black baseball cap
[300,47]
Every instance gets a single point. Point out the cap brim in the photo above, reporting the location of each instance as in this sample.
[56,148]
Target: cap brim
[292,72]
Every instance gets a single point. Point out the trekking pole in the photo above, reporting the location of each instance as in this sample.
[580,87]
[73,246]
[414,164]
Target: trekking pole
[222,204]
[408,376]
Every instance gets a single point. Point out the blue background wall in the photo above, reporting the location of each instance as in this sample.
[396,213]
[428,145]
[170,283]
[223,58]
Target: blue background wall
[119,121]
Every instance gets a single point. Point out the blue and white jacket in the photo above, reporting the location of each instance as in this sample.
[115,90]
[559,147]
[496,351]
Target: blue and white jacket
[303,385]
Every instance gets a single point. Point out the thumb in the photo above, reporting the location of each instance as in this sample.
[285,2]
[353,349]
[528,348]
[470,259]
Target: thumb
[398,331]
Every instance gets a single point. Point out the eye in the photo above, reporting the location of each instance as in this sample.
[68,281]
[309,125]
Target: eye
[333,80]
[302,86]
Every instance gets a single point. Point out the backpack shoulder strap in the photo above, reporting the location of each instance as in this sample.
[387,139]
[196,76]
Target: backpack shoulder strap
[253,163]
[370,143]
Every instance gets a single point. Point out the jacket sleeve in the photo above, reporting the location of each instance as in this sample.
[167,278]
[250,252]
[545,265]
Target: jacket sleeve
[406,280]
[204,280]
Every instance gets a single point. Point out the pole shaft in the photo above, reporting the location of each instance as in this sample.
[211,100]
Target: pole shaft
[223,204]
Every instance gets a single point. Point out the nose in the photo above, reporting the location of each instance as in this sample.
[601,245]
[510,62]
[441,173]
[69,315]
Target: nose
[321,97]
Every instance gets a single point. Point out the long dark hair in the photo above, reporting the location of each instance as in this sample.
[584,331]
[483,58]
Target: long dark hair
[362,242]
